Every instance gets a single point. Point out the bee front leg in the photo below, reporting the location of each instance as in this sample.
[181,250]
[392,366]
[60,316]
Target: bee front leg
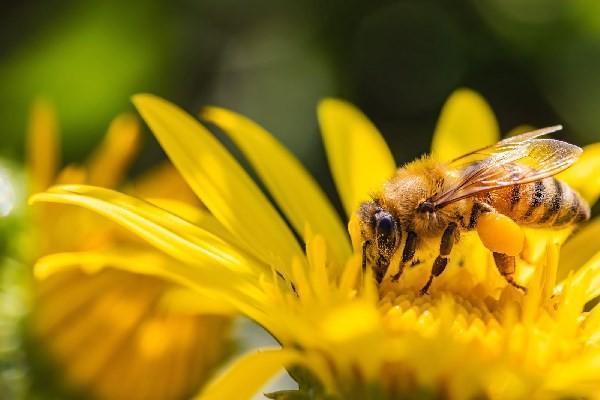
[365,248]
[439,265]
[407,254]
[381,262]
[506,266]
[381,268]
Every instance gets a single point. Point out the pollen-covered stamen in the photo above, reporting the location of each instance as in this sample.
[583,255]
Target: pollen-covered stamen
[409,312]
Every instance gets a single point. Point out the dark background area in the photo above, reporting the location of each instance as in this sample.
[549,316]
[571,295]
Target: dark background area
[535,61]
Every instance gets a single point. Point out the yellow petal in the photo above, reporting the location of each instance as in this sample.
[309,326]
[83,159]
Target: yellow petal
[196,216]
[466,123]
[187,302]
[71,174]
[583,176]
[359,158]
[248,374]
[350,321]
[132,337]
[294,189]
[142,261]
[163,181]
[139,262]
[579,249]
[587,278]
[43,147]
[169,233]
[219,181]
[110,161]
[207,279]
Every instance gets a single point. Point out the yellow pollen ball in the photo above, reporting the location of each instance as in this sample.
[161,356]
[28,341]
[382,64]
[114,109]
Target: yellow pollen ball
[500,234]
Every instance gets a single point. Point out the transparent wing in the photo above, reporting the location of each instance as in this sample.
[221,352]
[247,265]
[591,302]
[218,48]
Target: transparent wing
[506,145]
[517,160]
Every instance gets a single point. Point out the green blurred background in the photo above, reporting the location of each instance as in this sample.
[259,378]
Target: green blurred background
[536,62]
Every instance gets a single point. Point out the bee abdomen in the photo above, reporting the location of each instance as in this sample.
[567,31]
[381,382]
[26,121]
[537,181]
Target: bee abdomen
[549,203]
[573,210]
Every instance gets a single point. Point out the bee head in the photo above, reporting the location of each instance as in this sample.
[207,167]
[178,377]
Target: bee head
[380,227]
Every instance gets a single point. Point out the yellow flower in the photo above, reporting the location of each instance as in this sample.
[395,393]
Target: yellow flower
[341,336]
[113,333]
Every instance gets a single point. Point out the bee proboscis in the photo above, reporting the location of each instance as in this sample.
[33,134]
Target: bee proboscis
[429,199]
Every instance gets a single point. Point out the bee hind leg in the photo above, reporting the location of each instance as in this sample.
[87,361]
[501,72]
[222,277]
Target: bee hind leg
[506,266]
[477,209]
[439,265]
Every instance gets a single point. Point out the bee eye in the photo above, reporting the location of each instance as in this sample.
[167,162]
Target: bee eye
[386,231]
[385,224]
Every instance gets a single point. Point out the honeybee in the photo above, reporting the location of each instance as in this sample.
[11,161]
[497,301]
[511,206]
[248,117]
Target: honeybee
[429,199]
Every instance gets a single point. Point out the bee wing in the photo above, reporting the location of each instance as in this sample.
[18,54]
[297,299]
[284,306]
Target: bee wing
[518,160]
[506,145]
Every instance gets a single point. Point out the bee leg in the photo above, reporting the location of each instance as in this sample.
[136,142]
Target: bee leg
[478,209]
[407,254]
[506,267]
[381,265]
[365,247]
[381,268]
[439,265]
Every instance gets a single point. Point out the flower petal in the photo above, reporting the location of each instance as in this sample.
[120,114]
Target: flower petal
[359,158]
[579,249]
[163,181]
[248,374]
[294,189]
[196,216]
[133,336]
[171,234]
[110,161]
[219,181]
[466,123]
[583,176]
[43,147]
[587,278]
[207,279]
[187,302]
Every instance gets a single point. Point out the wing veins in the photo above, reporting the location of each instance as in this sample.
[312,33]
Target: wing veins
[519,160]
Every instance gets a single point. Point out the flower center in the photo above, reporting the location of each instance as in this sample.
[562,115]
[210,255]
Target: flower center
[458,316]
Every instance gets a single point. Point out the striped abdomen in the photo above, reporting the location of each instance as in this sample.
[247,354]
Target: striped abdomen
[545,203]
